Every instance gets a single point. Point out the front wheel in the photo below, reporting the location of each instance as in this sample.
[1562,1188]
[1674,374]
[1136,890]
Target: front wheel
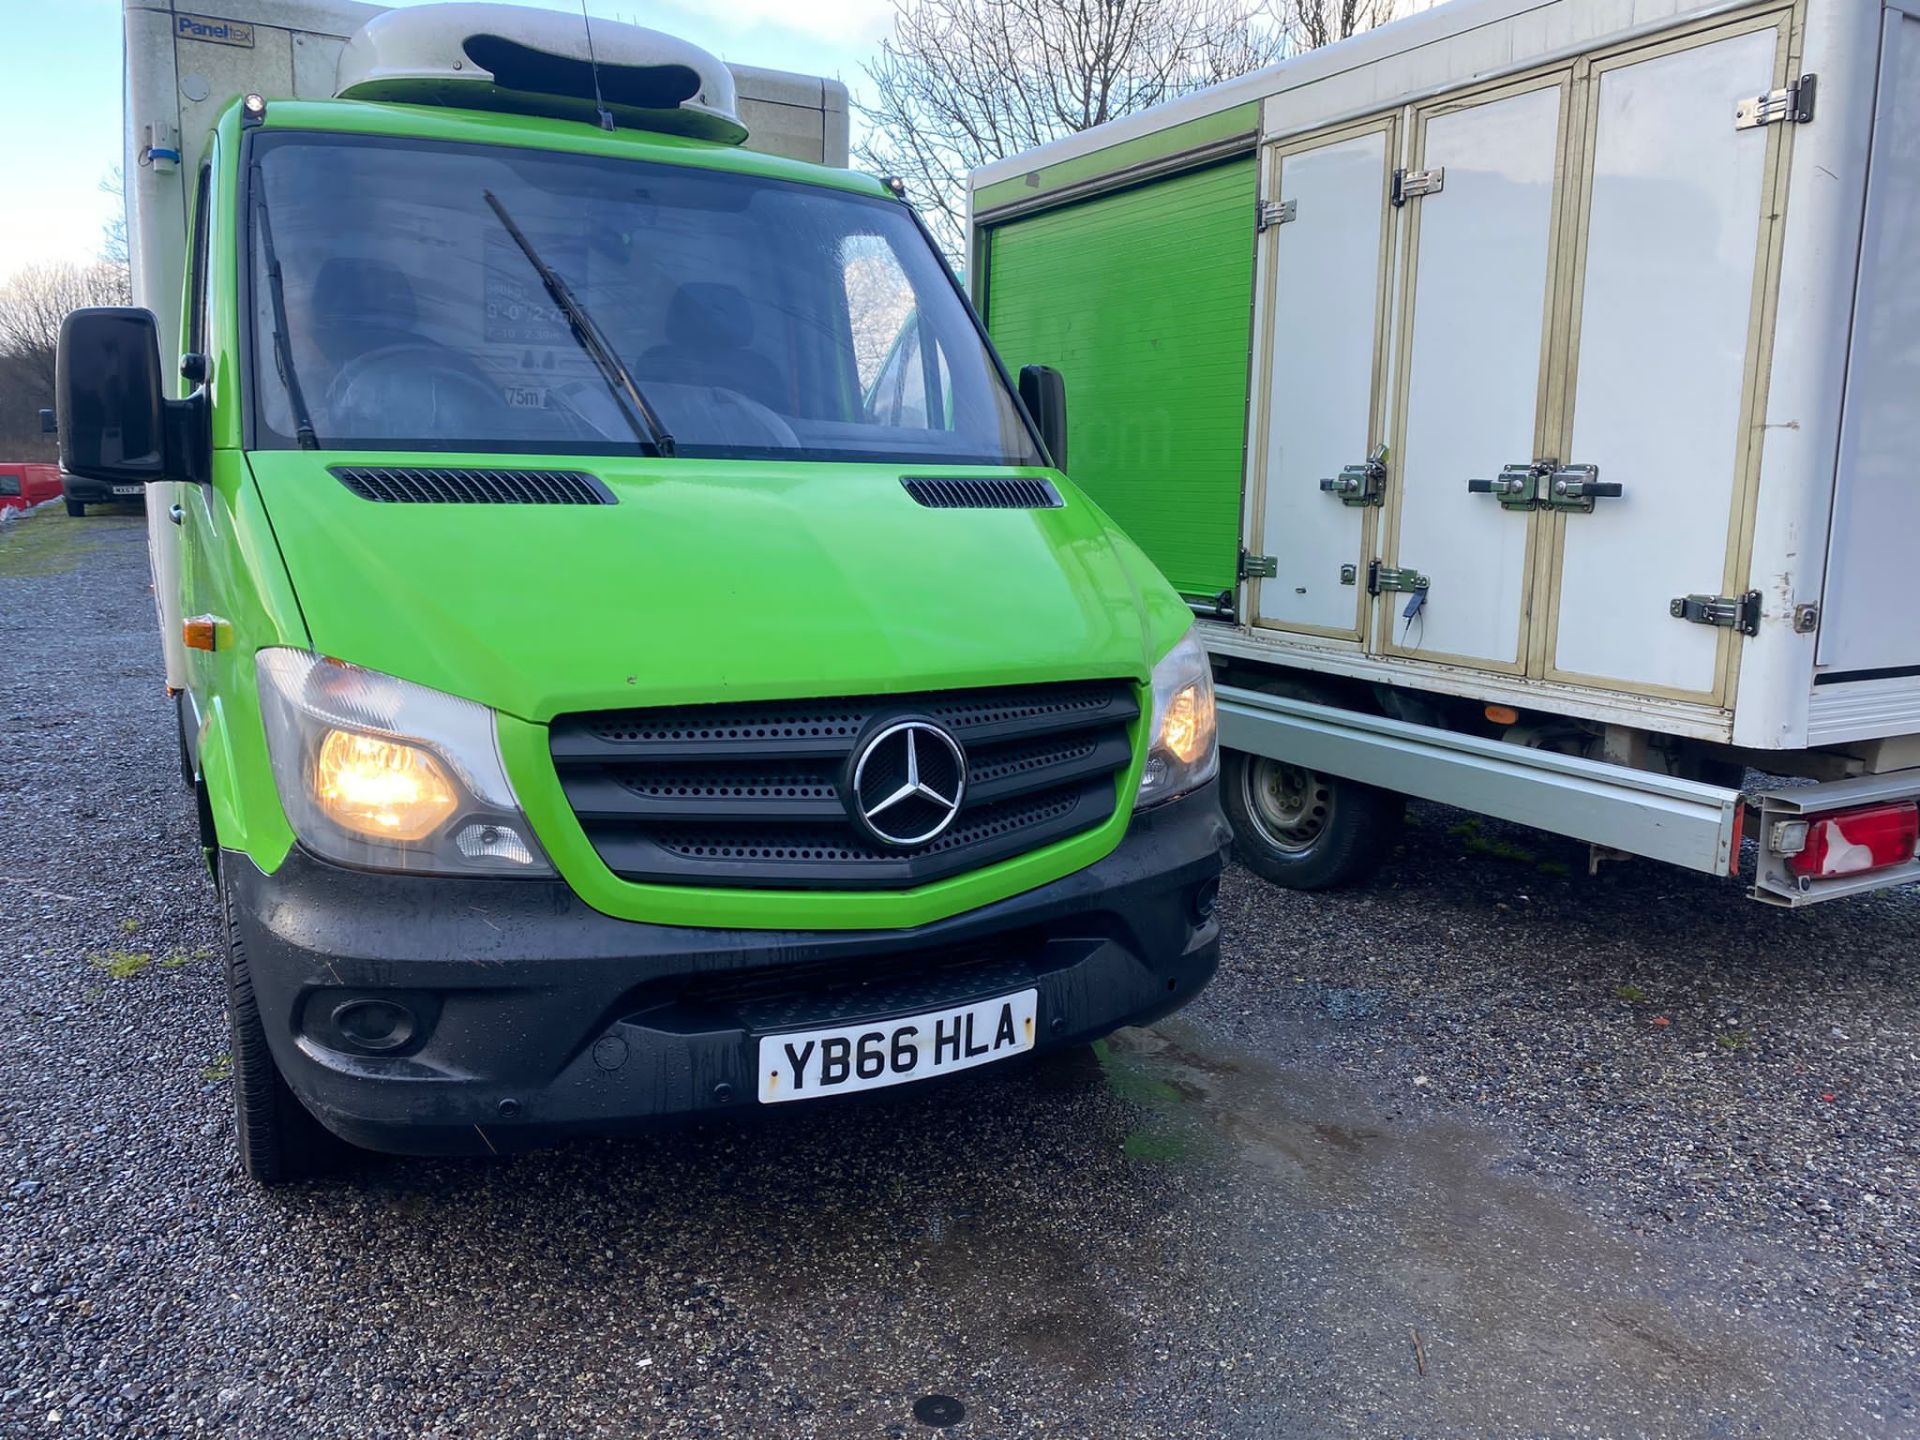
[76,508]
[279,1138]
[1304,829]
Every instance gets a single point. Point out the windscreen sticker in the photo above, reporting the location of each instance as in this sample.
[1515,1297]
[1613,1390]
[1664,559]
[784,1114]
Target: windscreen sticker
[519,310]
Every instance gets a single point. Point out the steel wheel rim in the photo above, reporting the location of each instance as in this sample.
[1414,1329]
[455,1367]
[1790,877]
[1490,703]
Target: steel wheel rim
[1290,805]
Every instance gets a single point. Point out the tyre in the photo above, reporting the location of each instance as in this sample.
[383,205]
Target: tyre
[279,1138]
[1303,829]
[76,508]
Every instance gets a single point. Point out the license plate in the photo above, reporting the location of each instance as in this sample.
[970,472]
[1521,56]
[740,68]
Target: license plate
[129,489]
[846,1058]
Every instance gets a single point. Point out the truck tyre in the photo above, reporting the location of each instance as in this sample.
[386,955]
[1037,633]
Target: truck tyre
[1300,828]
[76,508]
[279,1138]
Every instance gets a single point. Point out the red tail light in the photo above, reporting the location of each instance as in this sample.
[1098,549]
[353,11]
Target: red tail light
[1850,842]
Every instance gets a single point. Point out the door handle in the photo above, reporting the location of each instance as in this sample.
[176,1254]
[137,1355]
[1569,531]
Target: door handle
[1517,486]
[176,514]
[1362,484]
[1548,485]
[1574,488]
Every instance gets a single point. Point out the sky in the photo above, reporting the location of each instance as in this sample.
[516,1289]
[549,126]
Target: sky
[60,92]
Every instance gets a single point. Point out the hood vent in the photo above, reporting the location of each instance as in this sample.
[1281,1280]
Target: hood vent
[966,492]
[412,485]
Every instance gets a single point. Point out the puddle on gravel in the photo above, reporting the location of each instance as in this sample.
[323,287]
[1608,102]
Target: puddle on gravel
[1372,1226]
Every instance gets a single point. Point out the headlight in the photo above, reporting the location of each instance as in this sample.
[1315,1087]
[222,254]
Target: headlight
[1184,753]
[381,773]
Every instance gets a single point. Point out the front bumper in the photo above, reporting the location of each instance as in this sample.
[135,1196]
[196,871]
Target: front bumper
[98,492]
[530,1015]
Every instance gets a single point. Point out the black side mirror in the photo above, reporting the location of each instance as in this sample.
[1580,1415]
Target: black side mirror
[1043,390]
[48,425]
[115,422]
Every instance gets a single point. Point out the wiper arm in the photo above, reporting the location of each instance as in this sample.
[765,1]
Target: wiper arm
[277,294]
[619,379]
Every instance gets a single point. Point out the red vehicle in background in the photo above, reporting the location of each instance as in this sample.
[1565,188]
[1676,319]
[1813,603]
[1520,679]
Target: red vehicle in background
[25,483]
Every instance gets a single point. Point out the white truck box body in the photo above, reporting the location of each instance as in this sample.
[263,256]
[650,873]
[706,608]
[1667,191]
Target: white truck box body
[184,67]
[1610,271]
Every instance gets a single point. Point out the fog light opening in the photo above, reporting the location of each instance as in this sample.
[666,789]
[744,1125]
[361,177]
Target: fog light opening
[1205,900]
[375,1025]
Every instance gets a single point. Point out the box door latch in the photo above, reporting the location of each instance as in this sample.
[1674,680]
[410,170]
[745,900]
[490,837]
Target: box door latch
[1362,484]
[1789,105]
[1729,612]
[1258,567]
[1410,184]
[1548,485]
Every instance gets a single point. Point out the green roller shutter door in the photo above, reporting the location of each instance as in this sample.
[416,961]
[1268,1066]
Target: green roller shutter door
[1143,301]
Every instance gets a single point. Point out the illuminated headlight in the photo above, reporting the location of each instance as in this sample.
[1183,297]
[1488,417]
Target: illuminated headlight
[1184,752]
[388,775]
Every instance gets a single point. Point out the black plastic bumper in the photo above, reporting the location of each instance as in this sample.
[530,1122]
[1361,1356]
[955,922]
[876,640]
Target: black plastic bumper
[523,1014]
[97,492]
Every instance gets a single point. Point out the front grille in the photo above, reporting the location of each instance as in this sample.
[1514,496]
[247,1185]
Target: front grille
[447,485]
[756,794]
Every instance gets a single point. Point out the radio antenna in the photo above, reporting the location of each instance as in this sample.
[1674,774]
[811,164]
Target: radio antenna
[593,63]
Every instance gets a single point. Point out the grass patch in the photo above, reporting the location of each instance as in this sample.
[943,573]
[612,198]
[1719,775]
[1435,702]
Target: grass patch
[49,542]
[121,964]
[1732,1039]
[1630,992]
[1499,850]
[219,1070]
[129,925]
[180,959]
[1554,868]
[1474,842]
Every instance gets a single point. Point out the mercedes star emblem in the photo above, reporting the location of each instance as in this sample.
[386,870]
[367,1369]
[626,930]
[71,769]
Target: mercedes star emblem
[908,780]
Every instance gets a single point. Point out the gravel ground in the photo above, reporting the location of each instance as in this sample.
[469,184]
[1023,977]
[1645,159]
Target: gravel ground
[1487,1148]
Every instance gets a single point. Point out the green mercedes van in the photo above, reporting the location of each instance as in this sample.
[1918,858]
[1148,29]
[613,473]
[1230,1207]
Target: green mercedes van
[644,656]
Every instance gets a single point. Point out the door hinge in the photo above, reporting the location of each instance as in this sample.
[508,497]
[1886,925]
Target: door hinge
[1789,105]
[1269,213]
[1408,184]
[1729,612]
[1258,567]
[1384,578]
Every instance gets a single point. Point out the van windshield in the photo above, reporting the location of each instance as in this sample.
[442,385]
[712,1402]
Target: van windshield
[760,318]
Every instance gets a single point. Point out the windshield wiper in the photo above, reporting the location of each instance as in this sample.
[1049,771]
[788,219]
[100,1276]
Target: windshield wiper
[619,379]
[282,348]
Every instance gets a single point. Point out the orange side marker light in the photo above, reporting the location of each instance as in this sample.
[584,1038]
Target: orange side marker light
[200,632]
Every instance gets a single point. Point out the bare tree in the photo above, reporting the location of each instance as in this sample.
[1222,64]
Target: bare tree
[963,82]
[113,230]
[33,302]
[1309,24]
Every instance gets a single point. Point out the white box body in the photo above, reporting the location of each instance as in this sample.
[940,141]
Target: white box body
[1614,268]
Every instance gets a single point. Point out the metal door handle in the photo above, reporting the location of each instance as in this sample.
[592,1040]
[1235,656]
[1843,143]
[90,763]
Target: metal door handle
[1517,486]
[1574,488]
[1362,484]
[176,514]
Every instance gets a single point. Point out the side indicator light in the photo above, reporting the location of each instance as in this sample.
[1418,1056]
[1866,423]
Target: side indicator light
[1851,842]
[1502,715]
[202,632]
